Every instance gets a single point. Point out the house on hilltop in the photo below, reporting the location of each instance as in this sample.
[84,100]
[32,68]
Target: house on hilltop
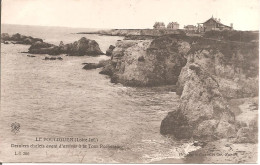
[159,25]
[190,28]
[213,24]
[173,25]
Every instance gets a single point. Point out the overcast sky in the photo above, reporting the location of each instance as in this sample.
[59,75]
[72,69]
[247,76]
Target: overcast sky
[244,14]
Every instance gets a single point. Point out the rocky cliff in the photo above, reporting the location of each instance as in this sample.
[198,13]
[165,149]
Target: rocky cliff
[215,72]
[208,73]
[147,62]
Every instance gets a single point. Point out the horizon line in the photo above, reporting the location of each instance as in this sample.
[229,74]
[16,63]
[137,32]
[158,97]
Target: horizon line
[55,26]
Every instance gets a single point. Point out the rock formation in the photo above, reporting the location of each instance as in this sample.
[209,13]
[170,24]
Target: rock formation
[147,62]
[110,50]
[78,48]
[19,39]
[214,72]
[207,72]
[89,66]
[53,58]
[81,47]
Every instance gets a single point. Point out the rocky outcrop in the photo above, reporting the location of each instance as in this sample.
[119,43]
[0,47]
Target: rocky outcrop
[214,72]
[79,48]
[147,62]
[202,105]
[30,55]
[89,66]
[82,47]
[53,58]
[110,50]
[247,121]
[44,48]
[233,65]
[19,39]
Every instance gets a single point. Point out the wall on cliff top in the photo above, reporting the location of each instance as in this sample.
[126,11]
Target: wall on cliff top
[140,32]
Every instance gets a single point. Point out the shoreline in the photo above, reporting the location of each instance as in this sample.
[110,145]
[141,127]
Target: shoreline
[220,147]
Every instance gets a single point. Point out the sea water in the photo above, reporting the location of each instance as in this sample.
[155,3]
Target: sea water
[58,100]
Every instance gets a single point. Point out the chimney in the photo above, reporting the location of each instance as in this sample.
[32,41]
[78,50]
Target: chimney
[231,25]
[219,20]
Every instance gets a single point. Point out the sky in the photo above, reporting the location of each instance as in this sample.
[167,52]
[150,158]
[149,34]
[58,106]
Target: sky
[131,14]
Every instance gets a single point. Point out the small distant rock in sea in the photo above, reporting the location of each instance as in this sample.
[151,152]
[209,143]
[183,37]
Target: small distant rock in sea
[30,55]
[53,58]
[89,66]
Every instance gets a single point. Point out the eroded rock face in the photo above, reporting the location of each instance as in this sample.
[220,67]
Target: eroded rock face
[203,106]
[213,73]
[82,47]
[233,66]
[147,62]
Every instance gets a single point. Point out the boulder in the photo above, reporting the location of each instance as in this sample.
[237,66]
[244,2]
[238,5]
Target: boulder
[110,50]
[82,47]
[108,69]
[5,37]
[40,45]
[89,66]
[30,56]
[175,123]
[28,41]
[101,63]
[16,37]
[53,58]
[246,135]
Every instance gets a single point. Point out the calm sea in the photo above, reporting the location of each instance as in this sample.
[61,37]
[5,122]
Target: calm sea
[58,99]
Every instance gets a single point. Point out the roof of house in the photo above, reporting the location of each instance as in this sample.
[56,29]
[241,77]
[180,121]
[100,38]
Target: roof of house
[189,26]
[176,23]
[214,19]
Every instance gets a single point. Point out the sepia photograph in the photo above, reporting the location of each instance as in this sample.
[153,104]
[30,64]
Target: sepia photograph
[129,81]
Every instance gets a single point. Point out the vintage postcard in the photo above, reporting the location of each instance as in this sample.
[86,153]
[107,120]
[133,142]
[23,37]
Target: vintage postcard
[129,81]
